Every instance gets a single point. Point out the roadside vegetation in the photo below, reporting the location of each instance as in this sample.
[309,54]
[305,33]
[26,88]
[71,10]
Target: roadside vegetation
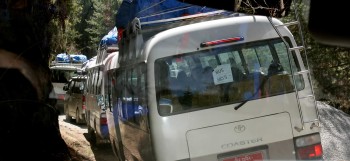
[329,65]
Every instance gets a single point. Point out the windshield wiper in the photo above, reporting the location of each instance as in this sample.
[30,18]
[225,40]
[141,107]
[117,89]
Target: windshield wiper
[254,95]
[241,104]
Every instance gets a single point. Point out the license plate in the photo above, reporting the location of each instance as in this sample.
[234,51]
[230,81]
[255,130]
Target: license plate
[255,156]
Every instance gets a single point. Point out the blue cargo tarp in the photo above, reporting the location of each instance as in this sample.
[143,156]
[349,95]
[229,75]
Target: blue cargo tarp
[78,58]
[111,38]
[62,58]
[150,10]
[73,58]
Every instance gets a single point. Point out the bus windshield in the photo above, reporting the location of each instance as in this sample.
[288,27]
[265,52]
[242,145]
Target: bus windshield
[225,75]
[62,76]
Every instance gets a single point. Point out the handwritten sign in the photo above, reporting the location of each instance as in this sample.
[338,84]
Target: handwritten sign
[222,74]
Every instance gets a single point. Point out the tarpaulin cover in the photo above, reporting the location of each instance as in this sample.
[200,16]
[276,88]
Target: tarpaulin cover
[66,58]
[150,10]
[273,8]
[111,38]
[62,58]
[88,62]
[78,58]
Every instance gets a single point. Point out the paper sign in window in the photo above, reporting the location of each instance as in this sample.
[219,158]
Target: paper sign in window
[222,74]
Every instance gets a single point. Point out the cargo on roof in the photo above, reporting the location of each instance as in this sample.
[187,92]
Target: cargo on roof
[151,10]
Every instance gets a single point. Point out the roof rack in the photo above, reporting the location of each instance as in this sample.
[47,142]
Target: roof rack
[185,17]
[136,26]
[112,48]
[55,65]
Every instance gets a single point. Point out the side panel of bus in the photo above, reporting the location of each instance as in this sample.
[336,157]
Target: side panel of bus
[110,86]
[95,112]
[130,112]
[112,115]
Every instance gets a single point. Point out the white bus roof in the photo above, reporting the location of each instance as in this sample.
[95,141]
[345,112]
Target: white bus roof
[108,58]
[90,64]
[113,61]
[65,67]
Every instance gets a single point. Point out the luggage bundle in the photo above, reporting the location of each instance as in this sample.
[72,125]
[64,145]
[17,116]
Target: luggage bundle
[151,10]
[70,58]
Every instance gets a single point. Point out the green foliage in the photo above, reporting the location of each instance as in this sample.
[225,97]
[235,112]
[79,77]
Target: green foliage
[330,66]
[100,23]
[63,38]
[87,22]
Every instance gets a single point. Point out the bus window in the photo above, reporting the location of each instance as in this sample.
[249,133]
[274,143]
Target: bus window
[289,66]
[217,77]
[61,76]
[265,57]
[129,96]
[258,58]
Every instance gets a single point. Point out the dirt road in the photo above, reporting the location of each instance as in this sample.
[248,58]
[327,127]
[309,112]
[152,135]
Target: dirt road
[76,137]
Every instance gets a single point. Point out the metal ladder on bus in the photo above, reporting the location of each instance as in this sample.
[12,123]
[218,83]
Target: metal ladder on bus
[302,51]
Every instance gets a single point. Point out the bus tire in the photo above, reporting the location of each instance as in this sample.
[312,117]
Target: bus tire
[97,139]
[87,118]
[117,152]
[77,117]
[92,135]
[68,118]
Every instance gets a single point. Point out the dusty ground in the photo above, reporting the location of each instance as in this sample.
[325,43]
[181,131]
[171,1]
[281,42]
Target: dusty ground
[76,137]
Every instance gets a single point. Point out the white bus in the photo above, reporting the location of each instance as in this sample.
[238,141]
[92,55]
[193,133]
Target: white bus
[60,74]
[241,92]
[96,118]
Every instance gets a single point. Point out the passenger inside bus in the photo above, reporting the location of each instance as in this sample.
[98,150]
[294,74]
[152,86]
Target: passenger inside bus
[231,88]
[166,86]
[278,80]
[237,73]
[275,68]
[196,76]
[163,69]
[207,79]
[184,94]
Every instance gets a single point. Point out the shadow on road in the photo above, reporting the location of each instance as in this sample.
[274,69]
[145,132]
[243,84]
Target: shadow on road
[102,151]
[80,146]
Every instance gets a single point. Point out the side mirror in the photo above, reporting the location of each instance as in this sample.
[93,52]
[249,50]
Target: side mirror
[165,106]
[165,109]
[65,88]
